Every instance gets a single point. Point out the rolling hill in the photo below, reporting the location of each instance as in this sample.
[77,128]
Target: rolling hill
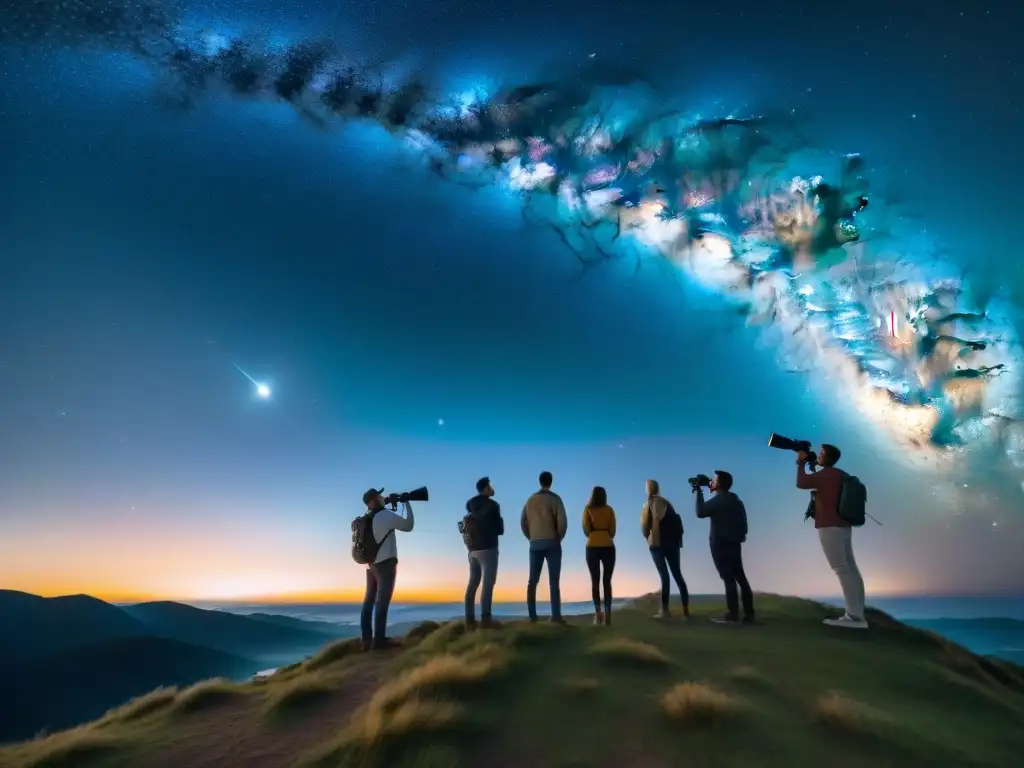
[33,627]
[787,692]
[269,642]
[64,689]
[65,660]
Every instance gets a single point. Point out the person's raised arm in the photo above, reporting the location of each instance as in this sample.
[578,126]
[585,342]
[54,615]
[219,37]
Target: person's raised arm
[805,481]
[701,507]
[408,521]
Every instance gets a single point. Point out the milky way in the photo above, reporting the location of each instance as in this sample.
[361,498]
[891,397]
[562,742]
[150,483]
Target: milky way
[731,201]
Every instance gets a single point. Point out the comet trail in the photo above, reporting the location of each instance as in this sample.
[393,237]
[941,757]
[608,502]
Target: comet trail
[262,390]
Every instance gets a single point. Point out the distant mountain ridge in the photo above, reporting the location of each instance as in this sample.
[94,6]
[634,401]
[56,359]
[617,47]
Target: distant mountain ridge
[66,660]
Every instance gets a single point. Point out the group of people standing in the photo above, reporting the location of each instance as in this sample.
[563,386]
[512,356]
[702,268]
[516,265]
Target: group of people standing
[544,523]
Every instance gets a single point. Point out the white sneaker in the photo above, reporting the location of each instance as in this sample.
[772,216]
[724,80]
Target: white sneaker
[598,619]
[662,614]
[847,622]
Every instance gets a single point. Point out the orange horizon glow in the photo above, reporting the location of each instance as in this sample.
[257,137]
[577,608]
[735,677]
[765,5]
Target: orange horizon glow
[408,596]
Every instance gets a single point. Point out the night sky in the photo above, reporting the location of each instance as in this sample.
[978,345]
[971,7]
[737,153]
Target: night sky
[419,333]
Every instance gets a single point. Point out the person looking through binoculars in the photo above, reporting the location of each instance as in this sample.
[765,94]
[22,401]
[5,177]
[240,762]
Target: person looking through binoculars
[728,532]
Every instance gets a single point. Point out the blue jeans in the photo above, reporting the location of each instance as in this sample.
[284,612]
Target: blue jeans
[553,556]
[380,586]
[666,560]
[483,566]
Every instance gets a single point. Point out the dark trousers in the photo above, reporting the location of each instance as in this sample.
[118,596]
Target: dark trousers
[666,560]
[553,556]
[598,557]
[380,586]
[728,558]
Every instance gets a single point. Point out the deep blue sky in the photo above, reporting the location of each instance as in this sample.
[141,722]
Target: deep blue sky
[144,252]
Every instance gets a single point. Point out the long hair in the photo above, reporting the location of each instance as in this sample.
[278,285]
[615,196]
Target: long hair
[598,498]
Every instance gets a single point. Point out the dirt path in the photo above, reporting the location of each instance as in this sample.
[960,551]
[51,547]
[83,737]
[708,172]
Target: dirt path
[237,735]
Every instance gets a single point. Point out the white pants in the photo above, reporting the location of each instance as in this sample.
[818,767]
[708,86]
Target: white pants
[837,544]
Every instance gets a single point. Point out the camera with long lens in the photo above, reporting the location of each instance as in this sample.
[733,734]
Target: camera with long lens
[788,444]
[394,499]
[699,481]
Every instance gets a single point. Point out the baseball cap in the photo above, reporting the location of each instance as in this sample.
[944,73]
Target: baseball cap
[372,494]
[482,483]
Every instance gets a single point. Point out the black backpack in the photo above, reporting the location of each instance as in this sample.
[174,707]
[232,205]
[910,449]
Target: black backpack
[670,529]
[365,546]
[853,501]
[469,527]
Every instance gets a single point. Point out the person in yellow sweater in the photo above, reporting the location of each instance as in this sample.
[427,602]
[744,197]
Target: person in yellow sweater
[599,527]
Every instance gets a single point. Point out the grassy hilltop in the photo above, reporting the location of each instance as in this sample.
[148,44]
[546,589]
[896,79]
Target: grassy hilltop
[790,692]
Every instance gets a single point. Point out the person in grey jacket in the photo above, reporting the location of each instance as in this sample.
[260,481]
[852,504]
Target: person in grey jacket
[544,523]
[728,532]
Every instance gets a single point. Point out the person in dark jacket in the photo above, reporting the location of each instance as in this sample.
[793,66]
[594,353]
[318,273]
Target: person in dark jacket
[728,532]
[482,527]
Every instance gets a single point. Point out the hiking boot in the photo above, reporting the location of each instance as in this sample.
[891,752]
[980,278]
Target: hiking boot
[749,620]
[471,625]
[598,619]
[386,644]
[726,619]
[608,619]
[686,612]
[486,622]
[846,621]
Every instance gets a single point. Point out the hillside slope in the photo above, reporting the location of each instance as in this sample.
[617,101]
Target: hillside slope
[789,692]
[75,686]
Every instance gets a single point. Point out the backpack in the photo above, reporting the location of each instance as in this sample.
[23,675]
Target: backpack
[469,527]
[365,546]
[670,528]
[853,501]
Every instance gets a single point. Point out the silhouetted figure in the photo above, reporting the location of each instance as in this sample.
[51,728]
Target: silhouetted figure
[663,529]
[835,534]
[481,528]
[382,572]
[544,523]
[599,528]
[728,532]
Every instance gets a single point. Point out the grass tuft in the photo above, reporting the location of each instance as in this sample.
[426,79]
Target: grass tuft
[286,699]
[440,674]
[334,653]
[697,703]
[411,717]
[139,707]
[209,693]
[837,710]
[620,649]
[420,632]
[70,749]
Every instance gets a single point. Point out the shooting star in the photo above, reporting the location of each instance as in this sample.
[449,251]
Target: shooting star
[263,391]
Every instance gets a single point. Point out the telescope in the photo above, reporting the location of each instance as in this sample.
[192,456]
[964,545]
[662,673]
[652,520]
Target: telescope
[419,494]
